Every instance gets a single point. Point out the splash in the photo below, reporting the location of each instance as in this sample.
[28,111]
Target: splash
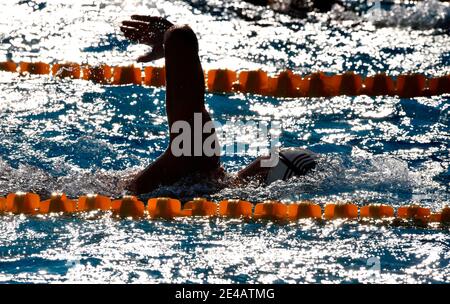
[338,178]
[75,183]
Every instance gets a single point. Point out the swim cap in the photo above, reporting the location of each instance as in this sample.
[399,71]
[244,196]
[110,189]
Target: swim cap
[292,162]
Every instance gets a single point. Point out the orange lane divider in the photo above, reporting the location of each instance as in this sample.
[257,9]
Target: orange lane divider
[20,202]
[200,207]
[413,212]
[303,210]
[270,210]
[94,202]
[168,208]
[8,66]
[445,215]
[128,206]
[57,203]
[221,81]
[155,76]
[164,207]
[341,210]
[2,204]
[38,68]
[284,84]
[411,85]
[379,84]
[376,211]
[442,217]
[97,74]
[66,70]
[235,208]
[322,85]
[350,84]
[127,75]
[255,82]
[439,85]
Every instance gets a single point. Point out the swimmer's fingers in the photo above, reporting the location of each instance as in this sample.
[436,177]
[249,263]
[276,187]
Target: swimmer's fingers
[153,24]
[135,24]
[146,18]
[131,33]
[143,27]
[153,20]
[140,36]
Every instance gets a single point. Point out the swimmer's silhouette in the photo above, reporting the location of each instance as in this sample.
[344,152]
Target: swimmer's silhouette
[185,90]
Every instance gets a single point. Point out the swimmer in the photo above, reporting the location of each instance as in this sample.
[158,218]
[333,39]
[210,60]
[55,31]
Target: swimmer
[185,90]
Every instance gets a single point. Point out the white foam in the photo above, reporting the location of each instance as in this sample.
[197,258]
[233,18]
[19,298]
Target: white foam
[74,182]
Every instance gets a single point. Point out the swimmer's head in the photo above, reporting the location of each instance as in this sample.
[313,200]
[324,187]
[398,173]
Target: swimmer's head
[292,162]
[179,40]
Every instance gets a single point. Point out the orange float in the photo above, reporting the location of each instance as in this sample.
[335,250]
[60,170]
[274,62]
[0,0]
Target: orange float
[98,74]
[413,212]
[379,84]
[255,82]
[344,210]
[188,205]
[20,202]
[8,66]
[57,203]
[164,207]
[155,76]
[185,212]
[445,215]
[2,204]
[435,217]
[321,85]
[303,210]
[286,84]
[221,80]
[128,206]
[66,70]
[350,84]
[376,211]
[127,75]
[439,85]
[410,85]
[38,68]
[94,202]
[201,207]
[235,208]
[270,210]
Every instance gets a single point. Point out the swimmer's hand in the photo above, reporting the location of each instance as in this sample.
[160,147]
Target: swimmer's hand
[147,30]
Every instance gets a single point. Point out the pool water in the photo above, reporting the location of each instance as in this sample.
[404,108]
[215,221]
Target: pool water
[78,137]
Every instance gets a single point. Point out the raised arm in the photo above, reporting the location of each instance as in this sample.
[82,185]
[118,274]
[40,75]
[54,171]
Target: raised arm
[185,90]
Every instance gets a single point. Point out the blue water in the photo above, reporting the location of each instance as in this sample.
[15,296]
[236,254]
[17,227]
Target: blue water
[78,137]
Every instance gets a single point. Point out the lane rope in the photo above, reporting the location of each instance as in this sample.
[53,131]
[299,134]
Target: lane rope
[169,208]
[284,84]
